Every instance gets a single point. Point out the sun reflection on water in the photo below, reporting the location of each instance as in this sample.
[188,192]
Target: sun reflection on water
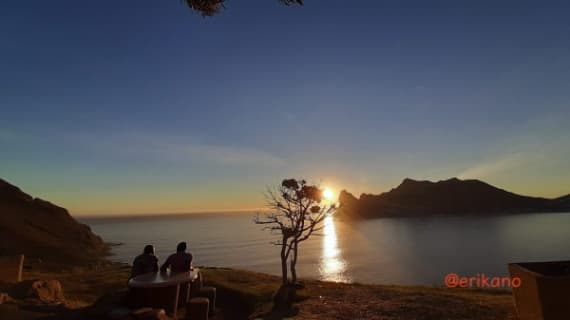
[332,266]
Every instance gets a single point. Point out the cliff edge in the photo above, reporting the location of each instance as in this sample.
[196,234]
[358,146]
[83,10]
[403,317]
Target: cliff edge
[41,230]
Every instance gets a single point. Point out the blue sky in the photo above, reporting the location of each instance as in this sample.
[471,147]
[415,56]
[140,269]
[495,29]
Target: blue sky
[136,107]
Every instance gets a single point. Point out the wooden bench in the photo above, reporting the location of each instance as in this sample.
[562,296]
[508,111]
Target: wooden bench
[11,268]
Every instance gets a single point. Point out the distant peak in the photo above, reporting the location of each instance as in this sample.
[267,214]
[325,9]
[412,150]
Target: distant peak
[408,181]
[411,184]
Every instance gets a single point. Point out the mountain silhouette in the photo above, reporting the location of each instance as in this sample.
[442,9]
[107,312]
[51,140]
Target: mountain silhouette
[446,197]
[41,230]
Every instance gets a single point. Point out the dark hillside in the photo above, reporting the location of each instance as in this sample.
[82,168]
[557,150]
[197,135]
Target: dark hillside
[42,230]
[447,197]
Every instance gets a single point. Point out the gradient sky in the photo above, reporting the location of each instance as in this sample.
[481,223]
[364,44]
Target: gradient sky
[144,106]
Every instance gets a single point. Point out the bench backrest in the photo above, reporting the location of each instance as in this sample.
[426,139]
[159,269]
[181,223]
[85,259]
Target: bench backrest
[11,268]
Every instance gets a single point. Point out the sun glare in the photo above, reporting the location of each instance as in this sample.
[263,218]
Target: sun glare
[328,194]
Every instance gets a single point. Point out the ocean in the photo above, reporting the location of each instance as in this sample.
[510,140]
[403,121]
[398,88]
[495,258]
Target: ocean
[411,250]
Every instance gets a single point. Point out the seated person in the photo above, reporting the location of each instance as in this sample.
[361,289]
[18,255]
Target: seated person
[179,261]
[145,263]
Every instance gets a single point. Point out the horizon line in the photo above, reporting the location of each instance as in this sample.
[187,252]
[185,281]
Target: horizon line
[165,214]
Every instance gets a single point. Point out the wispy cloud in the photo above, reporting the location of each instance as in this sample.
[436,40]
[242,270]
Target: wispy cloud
[540,145]
[498,165]
[177,148]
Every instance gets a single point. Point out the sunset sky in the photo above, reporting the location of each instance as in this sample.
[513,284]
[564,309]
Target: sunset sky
[110,107]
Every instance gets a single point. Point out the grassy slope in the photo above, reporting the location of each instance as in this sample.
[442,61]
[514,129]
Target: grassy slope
[83,286]
[329,300]
[252,292]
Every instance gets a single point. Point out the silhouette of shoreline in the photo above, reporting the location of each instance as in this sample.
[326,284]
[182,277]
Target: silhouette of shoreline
[446,198]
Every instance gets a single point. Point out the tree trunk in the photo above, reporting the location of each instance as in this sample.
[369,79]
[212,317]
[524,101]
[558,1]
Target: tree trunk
[283,303]
[294,262]
[284,261]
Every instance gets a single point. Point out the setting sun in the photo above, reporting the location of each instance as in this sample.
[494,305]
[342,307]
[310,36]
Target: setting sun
[328,194]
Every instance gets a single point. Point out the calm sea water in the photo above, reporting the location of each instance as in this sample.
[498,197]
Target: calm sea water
[388,250]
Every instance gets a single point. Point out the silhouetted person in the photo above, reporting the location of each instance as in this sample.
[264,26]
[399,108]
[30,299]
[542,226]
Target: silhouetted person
[145,263]
[178,262]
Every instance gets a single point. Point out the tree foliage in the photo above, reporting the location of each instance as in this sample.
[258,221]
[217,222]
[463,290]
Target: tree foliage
[211,7]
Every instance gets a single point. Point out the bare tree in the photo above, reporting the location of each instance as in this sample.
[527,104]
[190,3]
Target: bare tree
[211,7]
[297,212]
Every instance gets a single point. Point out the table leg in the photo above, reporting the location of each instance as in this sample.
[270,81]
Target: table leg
[176,296]
[188,292]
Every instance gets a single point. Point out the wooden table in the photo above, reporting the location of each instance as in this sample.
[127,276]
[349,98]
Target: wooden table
[165,279]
